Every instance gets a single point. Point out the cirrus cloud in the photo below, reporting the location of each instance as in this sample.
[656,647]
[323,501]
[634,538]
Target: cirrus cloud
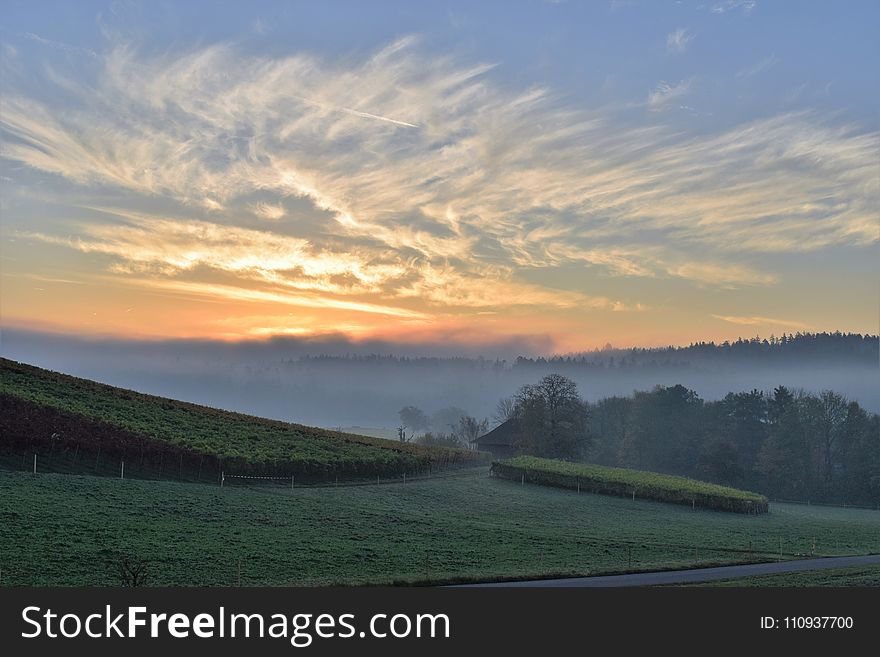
[419,179]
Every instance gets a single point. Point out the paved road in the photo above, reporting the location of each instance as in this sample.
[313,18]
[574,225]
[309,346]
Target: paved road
[699,574]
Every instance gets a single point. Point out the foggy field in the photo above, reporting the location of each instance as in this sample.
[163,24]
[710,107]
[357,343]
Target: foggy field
[70,530]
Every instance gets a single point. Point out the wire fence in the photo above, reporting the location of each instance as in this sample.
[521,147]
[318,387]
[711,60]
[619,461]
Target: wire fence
[80,462]
[205,471]
[843,505]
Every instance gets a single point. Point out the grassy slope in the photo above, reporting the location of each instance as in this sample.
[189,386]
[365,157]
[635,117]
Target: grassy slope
[212,431]
[57,529]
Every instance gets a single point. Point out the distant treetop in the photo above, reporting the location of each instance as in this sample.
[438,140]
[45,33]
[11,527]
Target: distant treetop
[849,348]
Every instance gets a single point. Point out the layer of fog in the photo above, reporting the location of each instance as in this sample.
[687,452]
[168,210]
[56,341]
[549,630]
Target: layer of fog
[283,378]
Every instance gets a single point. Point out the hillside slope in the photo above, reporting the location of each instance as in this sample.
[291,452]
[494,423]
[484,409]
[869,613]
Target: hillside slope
[89,427]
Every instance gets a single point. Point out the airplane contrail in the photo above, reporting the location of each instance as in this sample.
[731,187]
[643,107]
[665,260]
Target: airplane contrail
[365,115]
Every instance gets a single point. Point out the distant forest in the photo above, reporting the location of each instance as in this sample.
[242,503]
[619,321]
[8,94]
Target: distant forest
[307,381]
[853,348]
[786,444]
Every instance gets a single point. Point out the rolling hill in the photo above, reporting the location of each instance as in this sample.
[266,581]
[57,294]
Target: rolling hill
[81,426]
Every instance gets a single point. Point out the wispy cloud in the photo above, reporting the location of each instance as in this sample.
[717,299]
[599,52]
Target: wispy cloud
[759,67]
[269,211]
[762,321]
[497,288]
[665,93]
[677,41]
[166,248]
[418,179]
[170,246]
[729,5]
[58,45]
[722,275]
[233,292]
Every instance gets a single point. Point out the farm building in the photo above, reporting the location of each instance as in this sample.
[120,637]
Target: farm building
[501,441]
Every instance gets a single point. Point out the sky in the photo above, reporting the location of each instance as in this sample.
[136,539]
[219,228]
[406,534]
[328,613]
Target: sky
[555,174]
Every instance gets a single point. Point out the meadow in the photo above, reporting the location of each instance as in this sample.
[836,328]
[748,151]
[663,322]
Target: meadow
[623,481]
[72,530]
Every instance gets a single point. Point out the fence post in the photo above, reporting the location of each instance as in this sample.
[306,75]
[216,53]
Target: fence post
[404,478]
[222,478]
[523,481]
[35,464]
[122,470]
[291,481]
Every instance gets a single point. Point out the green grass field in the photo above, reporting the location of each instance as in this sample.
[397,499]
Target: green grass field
[69,530]
[854,576]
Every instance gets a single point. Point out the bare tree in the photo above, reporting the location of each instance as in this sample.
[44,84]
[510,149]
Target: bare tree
[553,417]
[504,410]
[469,429]
[446,419]
[132,572]
[401,434]
[414,417]
[827,414]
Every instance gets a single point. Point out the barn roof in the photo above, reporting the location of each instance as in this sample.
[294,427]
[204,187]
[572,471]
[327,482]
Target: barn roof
[506,433]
